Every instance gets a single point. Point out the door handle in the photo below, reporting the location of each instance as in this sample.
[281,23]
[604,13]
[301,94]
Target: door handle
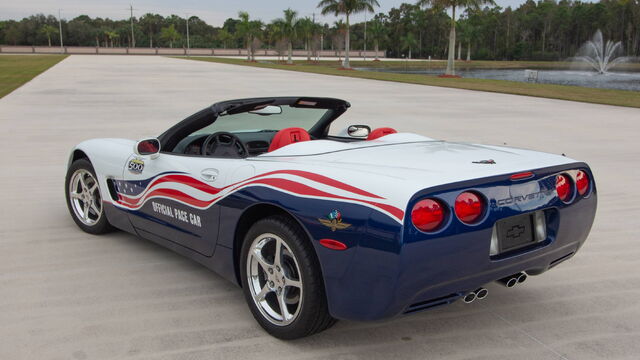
[209,174]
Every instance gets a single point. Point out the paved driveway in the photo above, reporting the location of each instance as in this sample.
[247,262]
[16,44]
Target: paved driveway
[68,295]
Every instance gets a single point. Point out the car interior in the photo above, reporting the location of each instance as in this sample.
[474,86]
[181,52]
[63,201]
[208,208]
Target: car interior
[258,126]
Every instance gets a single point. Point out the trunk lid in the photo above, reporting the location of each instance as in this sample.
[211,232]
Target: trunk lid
[426,161]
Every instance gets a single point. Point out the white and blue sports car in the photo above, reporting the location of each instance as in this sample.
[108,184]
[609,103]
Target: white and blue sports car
[363,226]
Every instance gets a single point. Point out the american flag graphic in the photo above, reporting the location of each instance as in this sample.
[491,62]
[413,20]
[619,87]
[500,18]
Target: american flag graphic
[190,191]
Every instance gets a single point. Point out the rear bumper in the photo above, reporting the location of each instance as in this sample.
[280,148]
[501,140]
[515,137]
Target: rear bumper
[424,272]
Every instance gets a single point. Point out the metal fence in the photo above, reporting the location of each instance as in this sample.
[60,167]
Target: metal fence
[91,50]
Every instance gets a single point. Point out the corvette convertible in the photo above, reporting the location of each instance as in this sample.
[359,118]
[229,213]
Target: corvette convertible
[361,225]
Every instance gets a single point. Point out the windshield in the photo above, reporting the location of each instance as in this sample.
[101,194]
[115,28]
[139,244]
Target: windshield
[287,117]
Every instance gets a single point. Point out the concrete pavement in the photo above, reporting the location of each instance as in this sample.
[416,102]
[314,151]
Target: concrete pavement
[65,294]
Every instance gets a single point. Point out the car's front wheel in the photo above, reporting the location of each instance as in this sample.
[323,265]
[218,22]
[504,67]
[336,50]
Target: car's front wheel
[282,281]
[83,198]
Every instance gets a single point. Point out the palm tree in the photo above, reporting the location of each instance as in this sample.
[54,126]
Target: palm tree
[346,7]
[49,30]
[288,26]
[307,29]
[337,43]
[111,35]
[453,4]
[274,35]
[377,32]
[271,34]
[255,30]
[243,30]
[409,42]
[170,34]
[224,37]
[150,22]
[467,34]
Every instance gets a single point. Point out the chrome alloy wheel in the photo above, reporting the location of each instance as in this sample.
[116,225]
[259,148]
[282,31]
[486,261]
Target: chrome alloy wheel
[274,279]
[84,196]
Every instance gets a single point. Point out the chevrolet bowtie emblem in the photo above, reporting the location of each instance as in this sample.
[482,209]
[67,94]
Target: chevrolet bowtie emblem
[515,232]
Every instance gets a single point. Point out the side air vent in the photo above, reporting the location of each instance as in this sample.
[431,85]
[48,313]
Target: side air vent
[112,189]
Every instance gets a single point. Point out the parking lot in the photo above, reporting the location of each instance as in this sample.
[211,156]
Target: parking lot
[65,294]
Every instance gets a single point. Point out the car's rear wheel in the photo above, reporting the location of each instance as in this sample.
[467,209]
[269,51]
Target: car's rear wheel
[83,198]
[282,281]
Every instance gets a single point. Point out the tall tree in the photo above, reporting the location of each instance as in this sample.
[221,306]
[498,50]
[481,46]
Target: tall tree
[378,33]
[288,26]
[49,30]
[170,34]
[271,34]
[337,42]
[112,35]
[150,23]
[453,4]
[307,30]
[255,31]
[243,30]
[224,37]
[409,42]
[467,34]
[346,8]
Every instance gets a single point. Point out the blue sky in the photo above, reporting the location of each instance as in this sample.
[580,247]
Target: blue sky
[212,11]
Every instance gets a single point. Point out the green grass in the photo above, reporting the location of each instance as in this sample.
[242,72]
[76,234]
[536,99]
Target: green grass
[562,92]
[478,64]
[15,70]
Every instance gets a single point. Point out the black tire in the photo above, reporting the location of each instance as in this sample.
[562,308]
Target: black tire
[313,315]
[101,226]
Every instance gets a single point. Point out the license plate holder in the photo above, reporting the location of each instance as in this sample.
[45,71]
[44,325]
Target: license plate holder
[515,232]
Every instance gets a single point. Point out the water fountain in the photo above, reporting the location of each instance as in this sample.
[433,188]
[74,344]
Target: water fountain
[595,54]
[599,55]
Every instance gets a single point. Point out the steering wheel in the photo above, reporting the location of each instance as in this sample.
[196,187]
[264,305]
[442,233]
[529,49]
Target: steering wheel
[224,144]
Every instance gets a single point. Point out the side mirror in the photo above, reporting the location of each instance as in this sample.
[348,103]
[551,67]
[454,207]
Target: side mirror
[148,147]
[358,131]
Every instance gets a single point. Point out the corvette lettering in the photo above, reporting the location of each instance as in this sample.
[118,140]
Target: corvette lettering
[521,198]
[178,214]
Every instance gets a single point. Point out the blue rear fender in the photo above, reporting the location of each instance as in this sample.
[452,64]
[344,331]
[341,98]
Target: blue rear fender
[397,269]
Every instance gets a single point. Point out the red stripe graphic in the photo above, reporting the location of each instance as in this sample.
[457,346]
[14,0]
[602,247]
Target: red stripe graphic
[279,183]
[303,189]
[177,178]
[323,180]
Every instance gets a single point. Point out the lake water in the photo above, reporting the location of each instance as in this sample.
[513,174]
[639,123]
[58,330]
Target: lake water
[612,80]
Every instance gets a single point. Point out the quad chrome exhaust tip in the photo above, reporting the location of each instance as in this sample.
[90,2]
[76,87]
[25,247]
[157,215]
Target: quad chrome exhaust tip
[513,280]
[469,298]
[481,293]
[478,294]
[522,278]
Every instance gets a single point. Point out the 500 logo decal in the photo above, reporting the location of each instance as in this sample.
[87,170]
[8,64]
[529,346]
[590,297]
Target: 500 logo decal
[136,166]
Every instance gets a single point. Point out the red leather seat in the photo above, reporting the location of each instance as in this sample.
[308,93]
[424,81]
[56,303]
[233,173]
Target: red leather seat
[380,132]
[288,136]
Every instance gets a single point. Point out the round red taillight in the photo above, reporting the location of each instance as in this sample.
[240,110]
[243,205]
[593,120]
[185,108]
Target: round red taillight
[469,207]
[427,215]
[563,187]
[582,182]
